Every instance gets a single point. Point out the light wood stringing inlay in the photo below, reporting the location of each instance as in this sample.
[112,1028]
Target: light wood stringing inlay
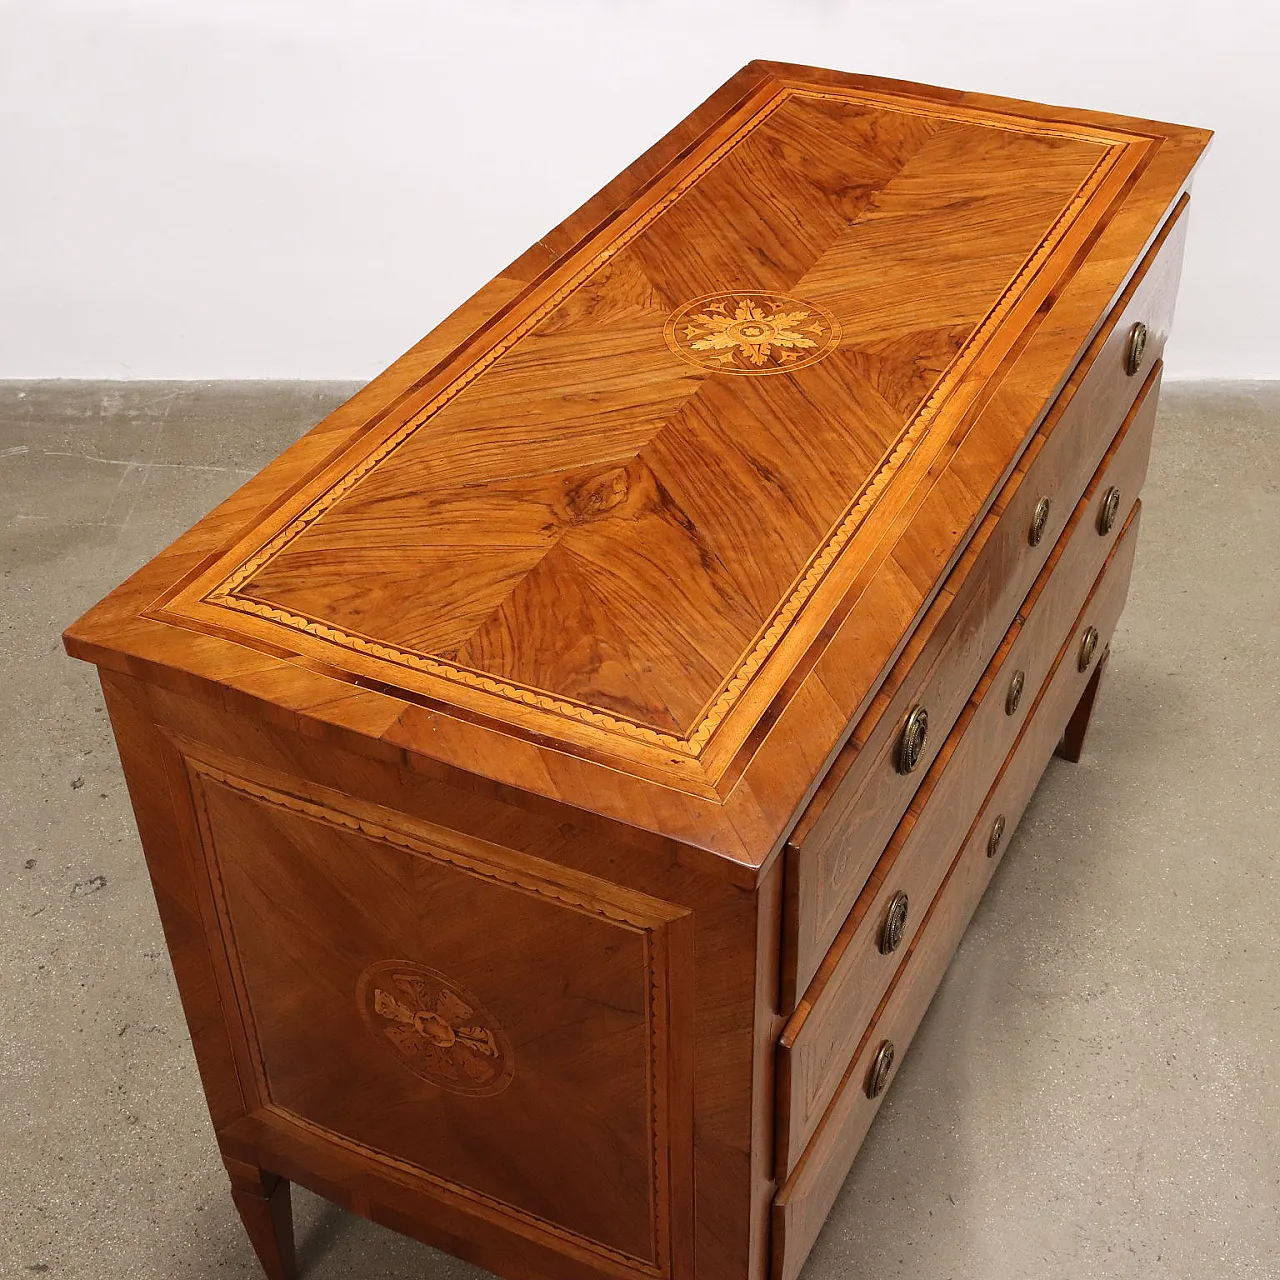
[626,910]
[234,590]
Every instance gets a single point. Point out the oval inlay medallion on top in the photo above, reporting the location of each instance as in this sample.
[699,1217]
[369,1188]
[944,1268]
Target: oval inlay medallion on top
[436,1028]
[748,331]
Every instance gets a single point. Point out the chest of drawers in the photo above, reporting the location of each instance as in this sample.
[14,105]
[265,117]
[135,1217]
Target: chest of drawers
[566,772]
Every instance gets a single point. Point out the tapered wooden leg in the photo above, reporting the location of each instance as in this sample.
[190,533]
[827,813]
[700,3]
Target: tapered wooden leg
[263,1202]
[1072,745]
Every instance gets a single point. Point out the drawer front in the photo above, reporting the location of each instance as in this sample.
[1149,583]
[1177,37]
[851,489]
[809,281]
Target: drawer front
[840,836]
[825,1027]
[804,1200]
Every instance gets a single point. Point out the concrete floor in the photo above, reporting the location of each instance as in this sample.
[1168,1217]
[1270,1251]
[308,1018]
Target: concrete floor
[1095,1092]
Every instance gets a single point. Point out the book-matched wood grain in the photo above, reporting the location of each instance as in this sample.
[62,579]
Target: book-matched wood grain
[806,1197]
[462,740]
[828,1022]
[523,1064]
[837,303]
[285,869]
[572,524]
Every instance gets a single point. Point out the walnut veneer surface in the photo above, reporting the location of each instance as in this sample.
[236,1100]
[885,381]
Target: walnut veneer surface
[522,760]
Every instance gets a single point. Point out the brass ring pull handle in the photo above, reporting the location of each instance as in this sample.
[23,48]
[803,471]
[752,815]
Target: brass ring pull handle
[1088,647]
[1135,348]
[881,1066]
[1039,521]
[996,837]
[1014,696]
[911,744]
[1108,511]
[895,924]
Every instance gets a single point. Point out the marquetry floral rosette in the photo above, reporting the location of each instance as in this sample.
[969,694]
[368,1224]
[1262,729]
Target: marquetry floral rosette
[752,332]
[436,1028]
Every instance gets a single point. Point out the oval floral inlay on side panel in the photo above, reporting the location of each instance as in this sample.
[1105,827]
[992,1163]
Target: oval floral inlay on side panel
[435,1027]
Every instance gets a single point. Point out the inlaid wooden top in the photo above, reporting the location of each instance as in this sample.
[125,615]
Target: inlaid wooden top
[619,509]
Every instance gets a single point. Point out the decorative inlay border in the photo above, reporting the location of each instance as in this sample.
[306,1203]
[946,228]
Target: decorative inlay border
[601,903]
[440,849]
[228,592]
[415,1173]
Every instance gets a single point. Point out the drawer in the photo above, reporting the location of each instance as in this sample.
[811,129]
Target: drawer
[805,1198]
[824,1029]
[838,839]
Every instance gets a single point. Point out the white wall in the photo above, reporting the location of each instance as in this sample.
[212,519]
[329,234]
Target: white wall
[302,188]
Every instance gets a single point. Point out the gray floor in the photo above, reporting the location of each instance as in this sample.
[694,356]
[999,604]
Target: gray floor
[1095,1092]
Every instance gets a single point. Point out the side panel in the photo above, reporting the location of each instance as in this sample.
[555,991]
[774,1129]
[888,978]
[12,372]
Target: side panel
[498,1023]
[498,1035]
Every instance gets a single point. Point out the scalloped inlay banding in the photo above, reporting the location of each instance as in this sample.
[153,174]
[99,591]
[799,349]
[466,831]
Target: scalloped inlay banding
[567,507]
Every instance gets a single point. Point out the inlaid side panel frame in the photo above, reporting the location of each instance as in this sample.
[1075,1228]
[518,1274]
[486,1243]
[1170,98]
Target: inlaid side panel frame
[433,1027]
[646,1231]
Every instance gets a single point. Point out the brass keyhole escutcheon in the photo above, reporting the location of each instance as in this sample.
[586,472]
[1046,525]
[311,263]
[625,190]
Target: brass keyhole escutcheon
[1088,646]
[895,924]
[881,1066]
[1135,348]
[1039,521]
[996,836]
[911,744]
[1014,696]
[1108,511]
